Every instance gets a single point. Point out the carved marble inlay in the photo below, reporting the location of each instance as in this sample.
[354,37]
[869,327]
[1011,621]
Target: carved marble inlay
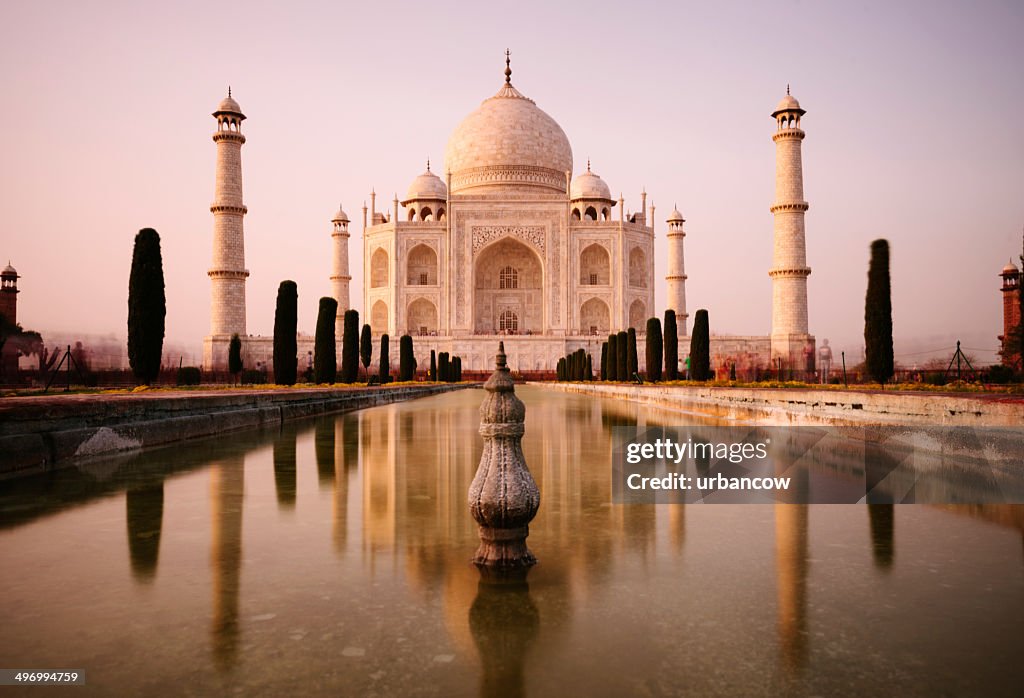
[533,234]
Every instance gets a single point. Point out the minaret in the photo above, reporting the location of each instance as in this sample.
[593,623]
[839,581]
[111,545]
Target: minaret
[228,272]
[9,294]
[340,276]
[789,272]
[676,276]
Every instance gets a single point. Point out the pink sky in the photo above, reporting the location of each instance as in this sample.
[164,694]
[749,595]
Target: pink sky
[913,134]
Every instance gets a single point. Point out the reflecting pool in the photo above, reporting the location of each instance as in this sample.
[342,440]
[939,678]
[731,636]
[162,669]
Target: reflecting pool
[331,556]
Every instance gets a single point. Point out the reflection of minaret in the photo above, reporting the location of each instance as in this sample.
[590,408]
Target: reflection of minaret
[145,513]
[882,517]
[284,466]
[504,622]
[791,578]
[227,479]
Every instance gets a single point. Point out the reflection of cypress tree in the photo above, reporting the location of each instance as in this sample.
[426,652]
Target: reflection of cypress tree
[284,467]
[504,623]
[145,515]
[323,444]
[882,518]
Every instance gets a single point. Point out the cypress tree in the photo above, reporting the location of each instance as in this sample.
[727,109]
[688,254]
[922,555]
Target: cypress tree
[632,359]
[384,369]
[700,347]
[654,349]
[671,346]
[604,360]
[878,315]
[235,356]
[589,375]
[147,307]
[350,347]
[622,355]
[286,319]
[366,350]
[457,372]
[442,367]
[325,351]
[433,366]
[559,370]
[406,359]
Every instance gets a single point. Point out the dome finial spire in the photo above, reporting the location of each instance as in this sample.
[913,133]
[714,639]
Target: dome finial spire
[229,90]
[787,88]
[428,164]
[588,164]
[508,67]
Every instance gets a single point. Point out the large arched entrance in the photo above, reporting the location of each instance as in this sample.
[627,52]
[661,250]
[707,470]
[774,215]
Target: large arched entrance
[508,290]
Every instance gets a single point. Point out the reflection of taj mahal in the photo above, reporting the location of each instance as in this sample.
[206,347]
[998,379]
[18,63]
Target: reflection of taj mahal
[508,243]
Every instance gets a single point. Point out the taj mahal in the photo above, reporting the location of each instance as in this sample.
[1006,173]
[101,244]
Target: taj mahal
[508,243]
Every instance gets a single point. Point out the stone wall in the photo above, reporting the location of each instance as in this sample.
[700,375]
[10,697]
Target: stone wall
[40,433]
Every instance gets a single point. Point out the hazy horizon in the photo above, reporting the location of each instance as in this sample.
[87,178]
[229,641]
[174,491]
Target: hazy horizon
[913,134]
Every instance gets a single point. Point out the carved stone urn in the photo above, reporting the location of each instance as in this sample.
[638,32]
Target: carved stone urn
[503,497]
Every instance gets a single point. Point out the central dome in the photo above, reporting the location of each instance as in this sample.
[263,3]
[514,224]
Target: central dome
[508,143]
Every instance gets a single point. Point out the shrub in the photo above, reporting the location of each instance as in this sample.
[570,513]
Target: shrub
[190,375]
[622,356]
[253,377]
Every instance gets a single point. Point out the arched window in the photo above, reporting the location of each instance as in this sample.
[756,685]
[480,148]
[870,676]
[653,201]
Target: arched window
[426,214]
[576,214]
[508,278]
[590,214]
[412,214]
[605,214]
[440,214]
[508,321]
[379,269]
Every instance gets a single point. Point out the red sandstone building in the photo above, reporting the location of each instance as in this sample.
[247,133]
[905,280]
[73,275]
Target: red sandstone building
[1011,310]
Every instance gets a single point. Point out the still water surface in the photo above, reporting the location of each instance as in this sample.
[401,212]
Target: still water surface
[330,557]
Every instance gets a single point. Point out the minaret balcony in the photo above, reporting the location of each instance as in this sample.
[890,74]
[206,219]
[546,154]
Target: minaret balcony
[790,207]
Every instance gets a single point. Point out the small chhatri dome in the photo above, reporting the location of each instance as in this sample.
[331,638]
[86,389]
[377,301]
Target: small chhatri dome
[426,186]
[675,216]
[788,103]
[229,106]
[340,216]
[1010,268]
[589,186]
[8,270]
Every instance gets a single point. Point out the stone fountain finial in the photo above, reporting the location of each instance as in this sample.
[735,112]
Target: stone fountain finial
[503,497]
